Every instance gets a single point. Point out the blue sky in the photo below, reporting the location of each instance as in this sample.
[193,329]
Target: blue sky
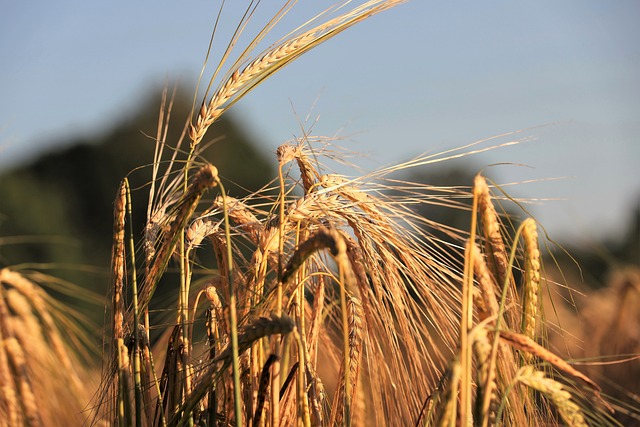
[424,77]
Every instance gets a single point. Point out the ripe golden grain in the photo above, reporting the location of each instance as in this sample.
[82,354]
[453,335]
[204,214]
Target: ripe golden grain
[532,280]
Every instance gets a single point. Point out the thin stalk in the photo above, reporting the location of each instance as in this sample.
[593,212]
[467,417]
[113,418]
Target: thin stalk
[183,312]
[233,316]
[302,348]
[467,320]
[183,319]
[275,378]
[345,349]
[213,337]
[136,314]
[156,383]
[302,359]
[285,364]
[306,419]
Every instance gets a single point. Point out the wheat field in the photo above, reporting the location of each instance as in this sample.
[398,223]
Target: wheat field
[319,300]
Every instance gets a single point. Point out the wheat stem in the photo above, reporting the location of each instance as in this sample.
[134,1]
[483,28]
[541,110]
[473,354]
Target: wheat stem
[233,317]
[262,389]
[136,314]
[467,319]
[346,357]
[304,410]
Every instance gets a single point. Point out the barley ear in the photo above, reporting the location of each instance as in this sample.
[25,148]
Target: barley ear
[308,173]
[8,398]
[118,263]
[531,279]
[561,398]
[497,254]
[244,79]
[485,299]
[117,271]
[324,238]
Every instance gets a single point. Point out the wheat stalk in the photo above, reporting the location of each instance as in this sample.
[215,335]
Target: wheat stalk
[502,363]
[262,389]
[448,414]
